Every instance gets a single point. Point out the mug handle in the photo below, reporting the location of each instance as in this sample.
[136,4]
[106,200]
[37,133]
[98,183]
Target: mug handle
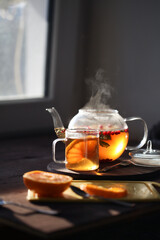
[54,150]
[145,136]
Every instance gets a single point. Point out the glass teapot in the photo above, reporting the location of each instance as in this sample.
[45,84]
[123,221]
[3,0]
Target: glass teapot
[113,130]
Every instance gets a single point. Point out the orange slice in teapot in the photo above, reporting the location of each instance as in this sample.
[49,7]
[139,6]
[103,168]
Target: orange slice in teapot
[80,149]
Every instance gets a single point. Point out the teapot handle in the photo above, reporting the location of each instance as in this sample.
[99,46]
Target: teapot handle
[54,150]
[145,136]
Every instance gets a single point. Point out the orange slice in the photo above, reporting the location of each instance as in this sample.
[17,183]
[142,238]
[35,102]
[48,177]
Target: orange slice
[79,149]
[111,192]
[46,183]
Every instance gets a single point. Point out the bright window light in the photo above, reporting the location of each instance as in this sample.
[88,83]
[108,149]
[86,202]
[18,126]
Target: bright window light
[23,48]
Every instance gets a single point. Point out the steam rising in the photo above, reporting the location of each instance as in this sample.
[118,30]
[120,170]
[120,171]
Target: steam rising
[101,91]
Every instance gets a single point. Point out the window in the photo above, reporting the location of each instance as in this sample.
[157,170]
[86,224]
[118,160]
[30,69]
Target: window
[46,72]
[23,47]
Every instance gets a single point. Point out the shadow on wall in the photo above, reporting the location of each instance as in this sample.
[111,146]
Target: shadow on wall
[154,135]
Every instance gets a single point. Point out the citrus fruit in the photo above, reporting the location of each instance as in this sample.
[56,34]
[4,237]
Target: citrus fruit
[79,149]
[46,183]
[110,192]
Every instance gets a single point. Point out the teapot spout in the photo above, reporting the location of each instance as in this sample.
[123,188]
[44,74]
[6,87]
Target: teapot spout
[57,122]
[55,117]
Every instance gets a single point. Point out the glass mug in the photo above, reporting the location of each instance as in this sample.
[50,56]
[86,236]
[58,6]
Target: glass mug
[81,149]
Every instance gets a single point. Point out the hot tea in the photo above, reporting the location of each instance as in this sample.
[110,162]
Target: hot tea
[81,149]
[112,144]
[82,154]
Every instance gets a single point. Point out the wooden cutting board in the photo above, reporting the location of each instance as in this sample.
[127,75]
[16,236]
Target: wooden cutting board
[137,191]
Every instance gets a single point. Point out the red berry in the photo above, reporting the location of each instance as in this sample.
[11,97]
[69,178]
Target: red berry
[118,132]
[112,132]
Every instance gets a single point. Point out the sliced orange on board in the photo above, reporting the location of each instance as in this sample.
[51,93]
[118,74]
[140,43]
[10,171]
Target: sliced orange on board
[110,192]
[79,149]
[46,183]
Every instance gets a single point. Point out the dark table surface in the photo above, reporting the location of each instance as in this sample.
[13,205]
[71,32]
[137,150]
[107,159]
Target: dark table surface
[76,220]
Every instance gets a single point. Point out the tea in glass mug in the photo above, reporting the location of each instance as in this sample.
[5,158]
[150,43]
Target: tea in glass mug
[81,149]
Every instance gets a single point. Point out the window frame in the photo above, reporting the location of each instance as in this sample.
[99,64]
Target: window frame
[20,117]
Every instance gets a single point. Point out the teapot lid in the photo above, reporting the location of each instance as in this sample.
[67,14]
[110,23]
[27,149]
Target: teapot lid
[93,110]
[146,157]
[103,118]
